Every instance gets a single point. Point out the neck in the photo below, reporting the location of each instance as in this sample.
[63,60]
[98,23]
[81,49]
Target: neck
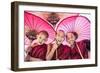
[73,45]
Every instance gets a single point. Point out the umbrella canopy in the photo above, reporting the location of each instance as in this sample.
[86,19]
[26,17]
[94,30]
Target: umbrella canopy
[78,24]
[38,24]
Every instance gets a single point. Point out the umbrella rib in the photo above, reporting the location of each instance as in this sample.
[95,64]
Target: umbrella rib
[28,20]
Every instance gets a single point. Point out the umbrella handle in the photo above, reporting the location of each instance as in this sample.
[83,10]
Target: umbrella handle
[56,55]
[79,51]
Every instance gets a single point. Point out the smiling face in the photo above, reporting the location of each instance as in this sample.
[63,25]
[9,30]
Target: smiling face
[42,37]
[60,35]
[71,37]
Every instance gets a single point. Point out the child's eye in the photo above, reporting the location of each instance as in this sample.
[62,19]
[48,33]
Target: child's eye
[43,39]
[40,37]
[58,35]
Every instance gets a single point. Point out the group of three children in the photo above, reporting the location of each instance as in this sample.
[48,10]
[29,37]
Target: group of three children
[38,50]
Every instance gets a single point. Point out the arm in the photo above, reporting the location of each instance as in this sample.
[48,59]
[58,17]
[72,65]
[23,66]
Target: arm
[51,51]
[30,47]
[34,44]
[29,54]
[48,49]
[35,59]
[29,58]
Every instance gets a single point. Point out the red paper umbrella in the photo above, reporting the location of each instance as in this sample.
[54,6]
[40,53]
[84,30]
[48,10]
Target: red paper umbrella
[78,24]
[38,24]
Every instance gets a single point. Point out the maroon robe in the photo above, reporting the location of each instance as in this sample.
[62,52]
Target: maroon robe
[75,52]
[39,52]
[63,53]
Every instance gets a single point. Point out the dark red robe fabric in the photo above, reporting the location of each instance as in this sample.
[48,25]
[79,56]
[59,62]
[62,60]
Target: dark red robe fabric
[39,52]
[75,52]
[63,53]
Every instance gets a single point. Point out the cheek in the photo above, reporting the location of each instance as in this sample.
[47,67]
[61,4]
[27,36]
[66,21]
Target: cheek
[56,38]
[74,38]
[69,41]
[43,41]
[39,40]
[62,39]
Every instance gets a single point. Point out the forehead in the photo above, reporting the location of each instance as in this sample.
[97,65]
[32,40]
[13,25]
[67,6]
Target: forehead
[42,34]
[60,33]
[69,34]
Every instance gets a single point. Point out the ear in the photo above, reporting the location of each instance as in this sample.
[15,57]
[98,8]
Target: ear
[64,38]
[37,35]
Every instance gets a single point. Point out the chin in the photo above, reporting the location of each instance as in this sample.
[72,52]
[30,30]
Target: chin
[59,43]
[72,44]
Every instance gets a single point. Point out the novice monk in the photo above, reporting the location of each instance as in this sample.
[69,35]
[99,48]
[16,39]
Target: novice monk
[56,50]
[29,36]
[78,49]
[39,48]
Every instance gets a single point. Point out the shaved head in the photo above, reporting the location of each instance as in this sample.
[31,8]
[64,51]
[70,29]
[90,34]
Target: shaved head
[60,36]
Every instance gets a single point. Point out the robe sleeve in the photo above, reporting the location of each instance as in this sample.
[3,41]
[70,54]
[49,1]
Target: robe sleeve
[30,52]
[65,53]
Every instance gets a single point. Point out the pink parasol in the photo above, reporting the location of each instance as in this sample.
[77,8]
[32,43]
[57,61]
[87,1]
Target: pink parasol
[38,24]
[78,24]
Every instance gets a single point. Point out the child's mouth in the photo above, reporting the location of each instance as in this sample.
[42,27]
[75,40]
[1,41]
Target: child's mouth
[40,42]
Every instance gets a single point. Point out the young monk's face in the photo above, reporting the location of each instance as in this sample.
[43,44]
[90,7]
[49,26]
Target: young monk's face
[41,38]
[71,38]
[60,37]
